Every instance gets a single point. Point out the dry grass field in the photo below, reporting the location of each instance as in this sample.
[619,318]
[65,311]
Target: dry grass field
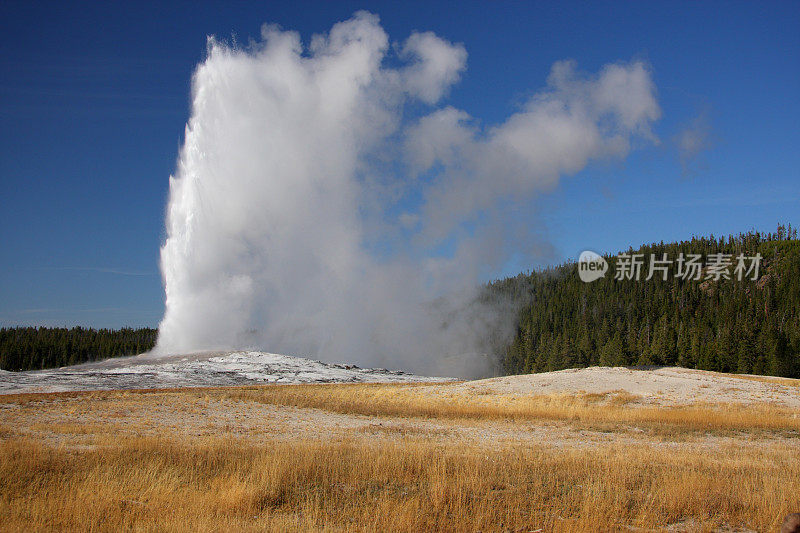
[444,457]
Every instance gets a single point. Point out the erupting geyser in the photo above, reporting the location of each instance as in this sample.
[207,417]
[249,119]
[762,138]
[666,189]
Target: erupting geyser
[310,215]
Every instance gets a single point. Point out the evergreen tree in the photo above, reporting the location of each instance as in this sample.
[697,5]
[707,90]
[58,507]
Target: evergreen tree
[29,348]
[726,325]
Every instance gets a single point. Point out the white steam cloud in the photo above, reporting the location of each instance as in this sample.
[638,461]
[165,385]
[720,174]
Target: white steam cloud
[310,215]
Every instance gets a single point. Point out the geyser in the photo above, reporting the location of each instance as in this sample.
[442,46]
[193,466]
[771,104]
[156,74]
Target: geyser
[317,211]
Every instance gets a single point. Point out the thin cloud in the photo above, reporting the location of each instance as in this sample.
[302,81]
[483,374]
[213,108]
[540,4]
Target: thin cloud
[104,270]
[692,142]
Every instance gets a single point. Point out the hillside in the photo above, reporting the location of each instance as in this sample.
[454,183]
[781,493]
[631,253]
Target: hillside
[726,325]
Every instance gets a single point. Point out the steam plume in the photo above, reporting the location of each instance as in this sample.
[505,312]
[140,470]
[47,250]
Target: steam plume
[311,215]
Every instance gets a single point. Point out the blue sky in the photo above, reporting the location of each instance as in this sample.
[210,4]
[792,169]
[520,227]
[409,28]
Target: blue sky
[94,99]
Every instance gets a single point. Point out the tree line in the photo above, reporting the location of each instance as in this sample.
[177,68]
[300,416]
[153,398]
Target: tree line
[34,348]
[726,325]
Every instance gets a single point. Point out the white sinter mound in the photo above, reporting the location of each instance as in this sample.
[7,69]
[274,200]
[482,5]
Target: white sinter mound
[665,386]
[197,370]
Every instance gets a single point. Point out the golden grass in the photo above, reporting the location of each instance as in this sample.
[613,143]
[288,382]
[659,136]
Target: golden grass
[610,408]
[74,462]
[410,485]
